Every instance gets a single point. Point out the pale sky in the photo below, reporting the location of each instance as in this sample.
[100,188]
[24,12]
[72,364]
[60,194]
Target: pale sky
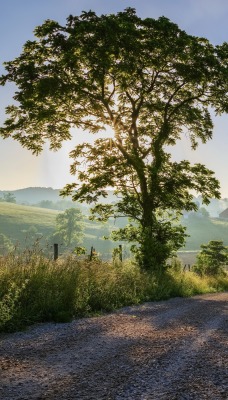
[18,18]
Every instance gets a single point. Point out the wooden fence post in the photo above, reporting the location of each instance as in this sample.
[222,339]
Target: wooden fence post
[91,253]
[120,253]
[56,251]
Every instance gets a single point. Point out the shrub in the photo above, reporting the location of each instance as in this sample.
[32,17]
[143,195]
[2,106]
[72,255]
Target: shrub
[211,259]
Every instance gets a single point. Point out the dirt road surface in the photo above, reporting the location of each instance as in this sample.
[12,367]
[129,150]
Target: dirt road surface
[169,350]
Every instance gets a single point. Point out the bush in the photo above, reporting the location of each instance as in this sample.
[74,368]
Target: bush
[211,259]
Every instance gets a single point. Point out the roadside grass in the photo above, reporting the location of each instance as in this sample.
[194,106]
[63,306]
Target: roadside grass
[34,289]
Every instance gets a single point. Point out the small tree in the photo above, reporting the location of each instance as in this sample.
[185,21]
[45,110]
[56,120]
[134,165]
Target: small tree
[46,204]
[69,227]
[9,198]
[212,258]
[204,213]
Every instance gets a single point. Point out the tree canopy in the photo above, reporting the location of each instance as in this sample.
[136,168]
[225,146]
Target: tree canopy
[9,198]
[212,258]
[69,227]
[146,80]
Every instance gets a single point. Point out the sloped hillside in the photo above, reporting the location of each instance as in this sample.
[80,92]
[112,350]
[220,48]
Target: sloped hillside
[202,230]
[24,224]
[17,221]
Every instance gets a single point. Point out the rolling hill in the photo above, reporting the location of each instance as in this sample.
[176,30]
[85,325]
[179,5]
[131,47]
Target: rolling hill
[202,230]
[18,221]
[34,195]
[24,224]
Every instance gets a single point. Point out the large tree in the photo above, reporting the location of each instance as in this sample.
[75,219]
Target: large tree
[147,80]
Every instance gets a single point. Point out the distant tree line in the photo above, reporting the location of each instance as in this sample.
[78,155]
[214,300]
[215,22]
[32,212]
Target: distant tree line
[8,197]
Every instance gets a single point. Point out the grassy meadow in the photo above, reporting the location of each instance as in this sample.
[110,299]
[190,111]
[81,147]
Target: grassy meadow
[23,225]
[17,220]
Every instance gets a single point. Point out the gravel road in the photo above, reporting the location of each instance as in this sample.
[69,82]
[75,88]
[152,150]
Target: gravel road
[175,349]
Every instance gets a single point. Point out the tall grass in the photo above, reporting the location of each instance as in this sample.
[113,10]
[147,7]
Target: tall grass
[35,289]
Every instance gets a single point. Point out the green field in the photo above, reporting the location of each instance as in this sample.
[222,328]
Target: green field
[18,223]
[24,224]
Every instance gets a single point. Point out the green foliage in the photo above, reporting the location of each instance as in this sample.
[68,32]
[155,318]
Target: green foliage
[9,306]
[46,204]
[44,297]
[69,227]
[34,289]
[204,213]
[5,244]
[212,258]
[9,198]
[79,250]
[23,225]
[155,245]
[120,72]
[61,205]
[176,264]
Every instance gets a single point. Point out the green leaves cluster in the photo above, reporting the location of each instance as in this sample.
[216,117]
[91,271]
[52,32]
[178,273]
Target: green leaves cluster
[212,258]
